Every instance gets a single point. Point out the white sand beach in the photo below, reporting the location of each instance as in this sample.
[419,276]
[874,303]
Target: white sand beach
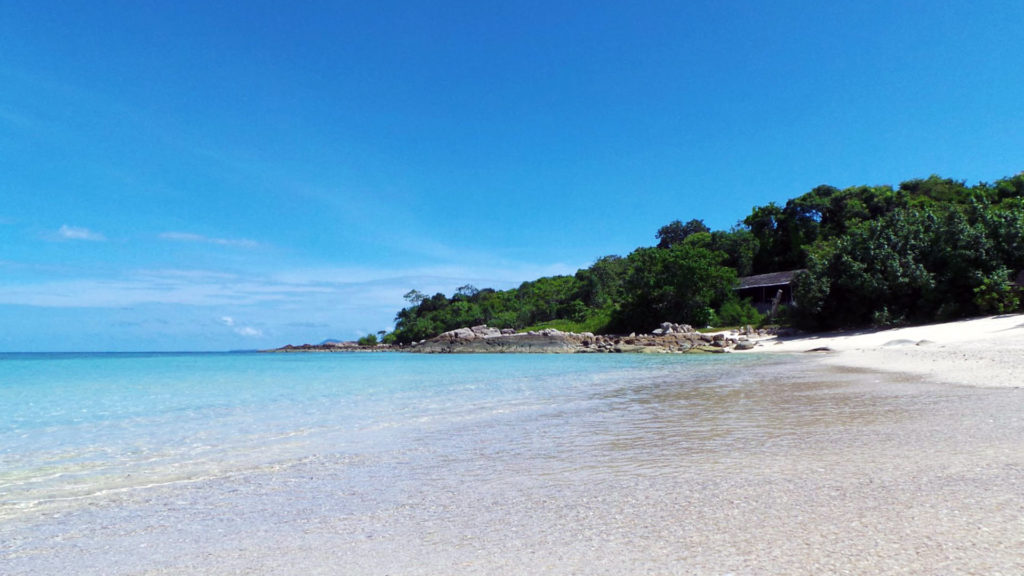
[987,352]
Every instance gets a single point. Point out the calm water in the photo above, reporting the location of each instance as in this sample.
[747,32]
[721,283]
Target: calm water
[393,463]
[76,425]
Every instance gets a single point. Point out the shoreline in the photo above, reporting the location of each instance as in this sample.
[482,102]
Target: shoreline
[786,465]
[979,352]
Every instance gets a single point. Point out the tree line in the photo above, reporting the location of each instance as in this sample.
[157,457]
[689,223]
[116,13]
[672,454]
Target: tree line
[929,249]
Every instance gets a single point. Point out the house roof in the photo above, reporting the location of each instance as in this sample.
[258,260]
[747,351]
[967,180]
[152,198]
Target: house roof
[771,279]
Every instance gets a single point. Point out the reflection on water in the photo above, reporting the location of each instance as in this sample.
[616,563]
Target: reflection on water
[653,422]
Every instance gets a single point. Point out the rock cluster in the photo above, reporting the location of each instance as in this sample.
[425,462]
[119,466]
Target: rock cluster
[485,339]
[669,338]
[481,332]
[670,328]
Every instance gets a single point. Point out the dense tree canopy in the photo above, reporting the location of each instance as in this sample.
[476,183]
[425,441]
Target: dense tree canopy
[675,232]
[684,283]
[930,249]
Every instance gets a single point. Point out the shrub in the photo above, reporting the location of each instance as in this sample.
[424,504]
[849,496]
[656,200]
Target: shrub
[737,313]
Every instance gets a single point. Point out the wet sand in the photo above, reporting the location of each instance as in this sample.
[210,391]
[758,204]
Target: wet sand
[789,468]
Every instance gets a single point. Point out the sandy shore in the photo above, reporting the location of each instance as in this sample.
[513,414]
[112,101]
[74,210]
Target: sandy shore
[987,352]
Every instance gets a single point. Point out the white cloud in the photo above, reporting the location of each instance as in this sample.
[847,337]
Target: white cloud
[311,289]
[248,331]
[76,233]
[328,302]
[187,237]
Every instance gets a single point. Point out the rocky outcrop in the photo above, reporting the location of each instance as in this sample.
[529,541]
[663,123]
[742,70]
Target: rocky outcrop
[667,339]
[670,328]
[482,339]
[334,347]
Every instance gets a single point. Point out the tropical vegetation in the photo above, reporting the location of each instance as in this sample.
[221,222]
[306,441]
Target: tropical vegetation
[929,249]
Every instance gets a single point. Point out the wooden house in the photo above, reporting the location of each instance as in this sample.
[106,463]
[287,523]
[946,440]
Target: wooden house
[766,290]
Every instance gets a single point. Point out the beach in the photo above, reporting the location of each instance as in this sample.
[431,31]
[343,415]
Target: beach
[985,352]
[774,463]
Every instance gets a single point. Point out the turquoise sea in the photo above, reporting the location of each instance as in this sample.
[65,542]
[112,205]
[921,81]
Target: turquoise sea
[76,426]
[246,463]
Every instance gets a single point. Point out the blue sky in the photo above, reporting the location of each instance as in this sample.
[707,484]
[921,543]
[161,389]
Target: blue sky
[236,175]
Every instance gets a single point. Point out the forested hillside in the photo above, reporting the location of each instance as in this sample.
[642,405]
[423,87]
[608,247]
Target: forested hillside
[931,249]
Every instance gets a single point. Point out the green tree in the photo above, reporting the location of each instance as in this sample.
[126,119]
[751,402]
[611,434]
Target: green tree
[466,291]
[414,297]
[681,284]
[765,224]
[913,265]
[740,247]
[873,273]
[600,286]
[675,232]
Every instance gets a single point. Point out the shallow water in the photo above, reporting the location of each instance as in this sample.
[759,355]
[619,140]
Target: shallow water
[406,464]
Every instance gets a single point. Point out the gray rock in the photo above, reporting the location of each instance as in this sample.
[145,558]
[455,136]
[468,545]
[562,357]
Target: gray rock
[651,350]
[484,331]
[705,350]
[460,334]
[627,348]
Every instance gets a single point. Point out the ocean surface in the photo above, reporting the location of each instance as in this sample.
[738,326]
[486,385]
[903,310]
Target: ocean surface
[75,426]
[424,464]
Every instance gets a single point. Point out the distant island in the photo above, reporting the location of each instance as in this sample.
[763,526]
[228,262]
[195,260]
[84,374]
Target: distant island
[928,250]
